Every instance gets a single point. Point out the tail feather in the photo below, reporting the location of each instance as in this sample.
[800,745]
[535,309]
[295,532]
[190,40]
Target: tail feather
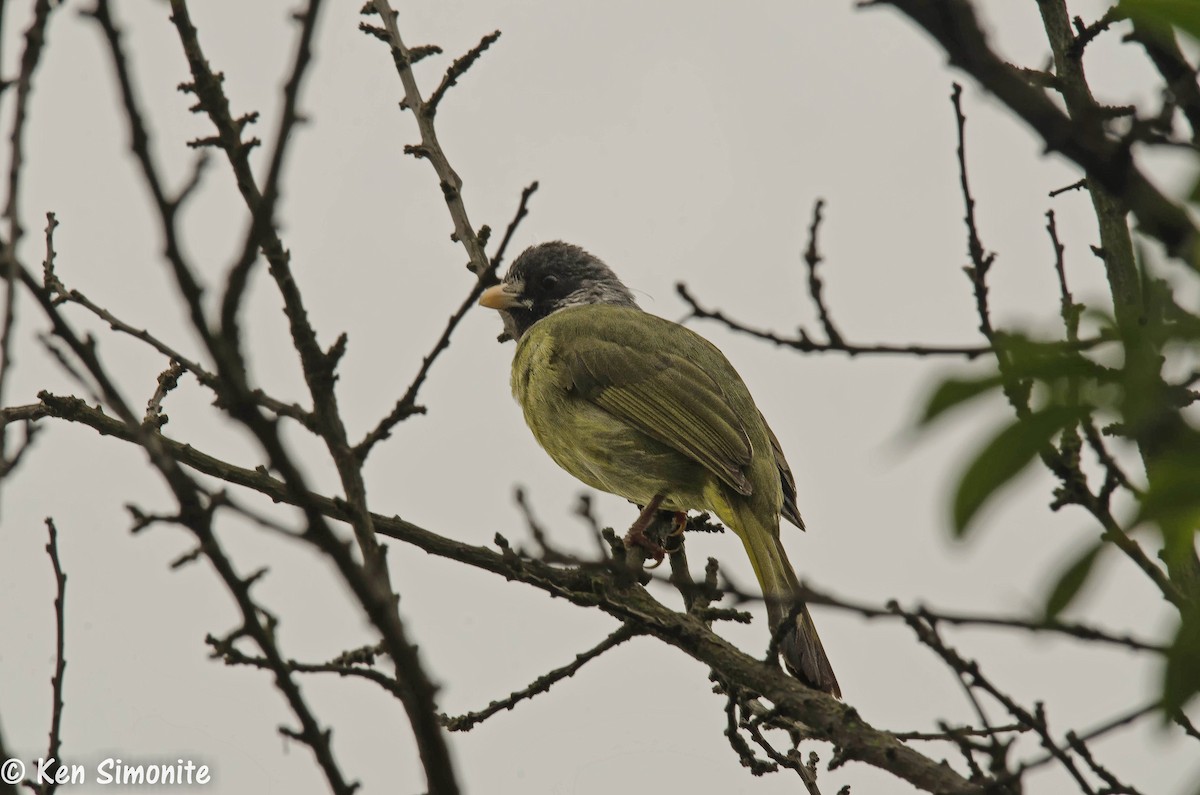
[800,644]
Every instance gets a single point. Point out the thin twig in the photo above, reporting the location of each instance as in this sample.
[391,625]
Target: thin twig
[1077,185]
[1115,785]
[457,70]
[547,551]
[892,609]
[1186,725]
[973,677]
[35,39]
[407,406]
[1068,309]
[167,380]
[1086,33]
[964,731]
[1178,73]
[231,655]
[430,147]
[60,660]
[206,378]
[522,211]
[542,684]
[222,499]
[812,258]
[262,206]
[791,760]
[1092,734]
[955,26]
[733,708]
[139,144]
[981,260]
[805,344]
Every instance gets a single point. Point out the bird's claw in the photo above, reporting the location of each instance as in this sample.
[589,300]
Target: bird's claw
[637,538]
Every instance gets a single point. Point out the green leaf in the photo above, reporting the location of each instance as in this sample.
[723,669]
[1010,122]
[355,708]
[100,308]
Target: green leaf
[1181,679]
[1003,458]
[953,392]
[1045,361]
[1181,14]
[1071,581]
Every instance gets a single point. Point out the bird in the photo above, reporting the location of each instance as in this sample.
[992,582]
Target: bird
[639,406]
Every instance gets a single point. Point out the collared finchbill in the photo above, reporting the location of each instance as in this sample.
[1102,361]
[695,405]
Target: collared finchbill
[646,409]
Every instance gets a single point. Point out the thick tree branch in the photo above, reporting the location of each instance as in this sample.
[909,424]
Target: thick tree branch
[371,581]
[1155,424]
[591,587]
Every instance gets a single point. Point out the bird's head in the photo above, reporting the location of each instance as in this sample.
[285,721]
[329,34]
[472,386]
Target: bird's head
[549,277]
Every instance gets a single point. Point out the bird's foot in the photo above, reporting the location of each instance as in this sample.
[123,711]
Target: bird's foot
[636,537]
[678,524]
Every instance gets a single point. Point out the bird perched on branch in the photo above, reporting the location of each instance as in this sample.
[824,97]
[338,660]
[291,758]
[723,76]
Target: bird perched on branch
[641,407]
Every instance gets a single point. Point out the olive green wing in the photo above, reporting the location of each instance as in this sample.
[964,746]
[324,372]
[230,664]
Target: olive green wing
[787,480]
[660,392]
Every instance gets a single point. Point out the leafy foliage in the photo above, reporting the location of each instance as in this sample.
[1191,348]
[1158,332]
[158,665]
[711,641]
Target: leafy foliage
[1003,458]
[1184,15]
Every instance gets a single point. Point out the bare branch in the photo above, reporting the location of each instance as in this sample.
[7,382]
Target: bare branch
[953,732]
[189,287]
[792,761]
[981,260]
[231,655]
[838,722]
[1077,185]
[60,660]
[457,70]
[370,581]
[542,684]
[407,406]
[430,148]
[261,205]
[812,258]
[805,344]
[167,380]
[953,24]
[973,677]
[206,378]
[1178,73]
[1068,309]
[522,211]
[35,39]
[1107,727]
[1086,33]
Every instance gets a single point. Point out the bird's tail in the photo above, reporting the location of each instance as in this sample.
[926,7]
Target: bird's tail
[800,644]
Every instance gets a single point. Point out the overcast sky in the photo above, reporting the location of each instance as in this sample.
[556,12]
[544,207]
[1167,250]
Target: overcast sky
[678,141]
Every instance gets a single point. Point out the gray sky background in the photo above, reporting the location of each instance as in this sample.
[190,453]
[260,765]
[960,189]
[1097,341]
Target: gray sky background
[677,141]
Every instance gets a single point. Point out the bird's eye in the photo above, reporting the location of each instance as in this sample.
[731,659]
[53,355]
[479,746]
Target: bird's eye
[549,281]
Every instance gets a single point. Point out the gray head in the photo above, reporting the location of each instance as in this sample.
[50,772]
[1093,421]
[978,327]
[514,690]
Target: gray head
[549,277]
